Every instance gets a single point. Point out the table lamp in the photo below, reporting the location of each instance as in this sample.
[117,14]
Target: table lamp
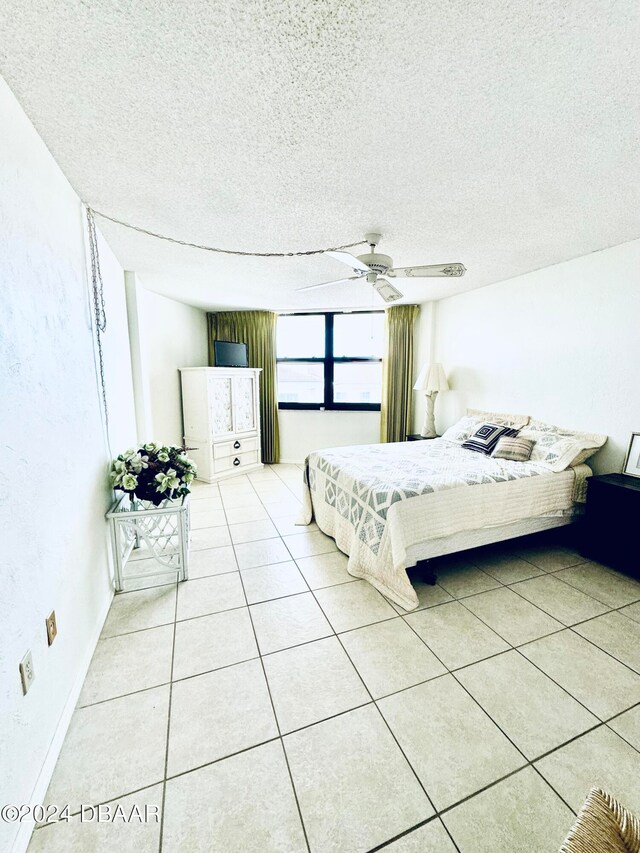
[431,380]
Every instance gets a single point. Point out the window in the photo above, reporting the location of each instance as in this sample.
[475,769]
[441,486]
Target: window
[330,361]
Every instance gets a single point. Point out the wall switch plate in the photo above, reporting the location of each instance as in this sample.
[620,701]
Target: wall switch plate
[27,673]
[52,628]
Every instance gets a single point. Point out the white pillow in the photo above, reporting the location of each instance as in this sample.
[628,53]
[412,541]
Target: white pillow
[502,418]
[462,429]
[556,448]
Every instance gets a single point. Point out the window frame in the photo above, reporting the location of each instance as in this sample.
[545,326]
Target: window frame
[329,361]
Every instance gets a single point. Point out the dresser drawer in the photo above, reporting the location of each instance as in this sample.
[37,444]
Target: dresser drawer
[237,462]
[224,449]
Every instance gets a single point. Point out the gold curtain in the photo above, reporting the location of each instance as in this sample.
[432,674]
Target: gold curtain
[397,372]
[257,329]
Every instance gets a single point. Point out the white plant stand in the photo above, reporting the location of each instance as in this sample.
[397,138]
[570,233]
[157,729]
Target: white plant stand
[159,534]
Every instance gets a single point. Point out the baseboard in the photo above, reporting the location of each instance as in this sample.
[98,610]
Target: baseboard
[21,840]
[291,462]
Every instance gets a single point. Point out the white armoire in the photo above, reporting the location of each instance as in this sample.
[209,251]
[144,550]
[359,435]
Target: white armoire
[221,409]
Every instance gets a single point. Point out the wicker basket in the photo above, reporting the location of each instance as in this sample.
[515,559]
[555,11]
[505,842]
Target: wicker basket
[603,826]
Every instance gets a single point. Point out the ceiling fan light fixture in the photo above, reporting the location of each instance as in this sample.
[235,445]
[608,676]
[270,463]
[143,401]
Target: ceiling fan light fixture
[377,262]
[387,291]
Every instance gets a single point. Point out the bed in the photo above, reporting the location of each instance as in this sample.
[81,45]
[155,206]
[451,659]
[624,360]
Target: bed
[388,506]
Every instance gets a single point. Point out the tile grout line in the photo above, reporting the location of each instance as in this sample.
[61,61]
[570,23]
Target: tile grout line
[448,671]
[113,799]
[166,749]
[283,481]
[511,647]
[222,758]
[124,794]
[610,608]
[565,627]
[383,696]
[404,613]
[170,683]
[558,572]
[273,709]
[601,722]
[342,713]
[433,819]
[604,651]
[540,607]
[226,666]
[551,633]
[527,760]
[518,648]
[410,765]
[337,635]
[452,673]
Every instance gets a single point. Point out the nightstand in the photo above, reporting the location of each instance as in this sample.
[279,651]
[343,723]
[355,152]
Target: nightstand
[610,523]
[417,437]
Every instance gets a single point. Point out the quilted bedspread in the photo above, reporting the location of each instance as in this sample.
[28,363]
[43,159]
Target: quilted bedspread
[378,500]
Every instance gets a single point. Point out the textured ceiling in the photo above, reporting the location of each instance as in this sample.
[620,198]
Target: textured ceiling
[499,133]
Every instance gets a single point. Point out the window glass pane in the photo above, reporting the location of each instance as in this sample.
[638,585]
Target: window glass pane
[358,335]
[357,382]
[300,382]
[301,336]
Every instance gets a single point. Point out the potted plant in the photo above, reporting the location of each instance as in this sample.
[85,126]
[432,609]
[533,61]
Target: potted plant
[153,473]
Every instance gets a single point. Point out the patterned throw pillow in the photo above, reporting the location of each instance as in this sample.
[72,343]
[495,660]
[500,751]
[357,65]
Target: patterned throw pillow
[486,437]
[513,448]
[557,448]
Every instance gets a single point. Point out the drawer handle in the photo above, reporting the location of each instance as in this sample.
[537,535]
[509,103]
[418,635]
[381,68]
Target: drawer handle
[236,461]
[236,445]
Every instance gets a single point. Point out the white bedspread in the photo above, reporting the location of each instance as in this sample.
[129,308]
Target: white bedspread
[378,500]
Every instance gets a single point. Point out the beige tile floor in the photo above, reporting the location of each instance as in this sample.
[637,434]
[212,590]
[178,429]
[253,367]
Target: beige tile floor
[274,703]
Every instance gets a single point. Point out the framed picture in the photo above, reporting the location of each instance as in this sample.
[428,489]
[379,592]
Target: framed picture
[632,462]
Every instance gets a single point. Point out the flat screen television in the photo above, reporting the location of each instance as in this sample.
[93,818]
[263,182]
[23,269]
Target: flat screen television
[230,354]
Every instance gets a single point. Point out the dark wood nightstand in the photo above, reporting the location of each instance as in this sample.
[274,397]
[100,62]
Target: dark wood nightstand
[417,437]
[610,533]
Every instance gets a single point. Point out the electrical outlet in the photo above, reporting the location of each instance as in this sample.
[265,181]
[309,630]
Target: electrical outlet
[52,628]
[27,673]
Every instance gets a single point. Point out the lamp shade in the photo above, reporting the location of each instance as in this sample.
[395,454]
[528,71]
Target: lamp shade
[432,378]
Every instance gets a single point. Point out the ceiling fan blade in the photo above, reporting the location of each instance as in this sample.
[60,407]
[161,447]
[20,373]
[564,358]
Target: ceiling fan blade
[327,283]
[386,290]
[350,260]
[430,271]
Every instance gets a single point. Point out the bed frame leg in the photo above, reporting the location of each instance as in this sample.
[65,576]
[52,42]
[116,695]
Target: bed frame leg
[425,573]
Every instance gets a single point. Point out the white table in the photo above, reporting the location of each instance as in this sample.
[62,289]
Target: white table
[159,536]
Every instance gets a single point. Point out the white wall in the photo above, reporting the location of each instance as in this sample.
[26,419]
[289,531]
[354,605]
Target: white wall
[172,335]
[561,344]
[53,483]
[117,361]
[303,431]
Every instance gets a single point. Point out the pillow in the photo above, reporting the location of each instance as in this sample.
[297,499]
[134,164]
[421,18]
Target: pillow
[499,418]
[461,430]
[557,448]
[583,456]
[486,437]
[514,448]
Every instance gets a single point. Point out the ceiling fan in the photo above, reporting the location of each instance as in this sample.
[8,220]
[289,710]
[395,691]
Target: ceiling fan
[373,267]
